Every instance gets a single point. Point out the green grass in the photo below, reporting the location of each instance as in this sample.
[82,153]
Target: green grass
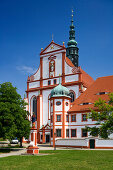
[61,160]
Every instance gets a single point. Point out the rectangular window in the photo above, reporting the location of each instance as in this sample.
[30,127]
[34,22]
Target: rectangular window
[49,82]
[51,132]
[58,118]
[55,81]
[51,118]
[67,118]
[73,118]
[73,132]
[84,117]
[84,133]
[41,137]
[58,132]
[67,132]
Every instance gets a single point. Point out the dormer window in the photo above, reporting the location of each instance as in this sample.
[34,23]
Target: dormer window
[85,103]
[101,93]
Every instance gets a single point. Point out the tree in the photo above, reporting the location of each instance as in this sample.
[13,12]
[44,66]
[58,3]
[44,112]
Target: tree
[13,116]
[103,114]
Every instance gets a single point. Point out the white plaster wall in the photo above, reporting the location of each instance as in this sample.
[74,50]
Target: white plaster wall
[34,84]
[67,107]
[45,67]
[68,69]
[52,106]
[37,74]
[72,78]
[58,68]
[41,111]
[103,143]
[58,108]
[71,142]
[45,105]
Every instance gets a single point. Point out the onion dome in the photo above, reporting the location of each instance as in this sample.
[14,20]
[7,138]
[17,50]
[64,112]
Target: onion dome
[59,91]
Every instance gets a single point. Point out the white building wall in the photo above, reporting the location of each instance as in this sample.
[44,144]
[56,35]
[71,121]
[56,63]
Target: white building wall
[45,68]
[58,108]
[58,66]
[104,143]
[41,110]
[34,84]
[72,78]
[45,105]
[68,69]
[37,74]
[71,142]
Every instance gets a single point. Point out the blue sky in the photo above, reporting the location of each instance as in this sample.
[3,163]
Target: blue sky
[26,26]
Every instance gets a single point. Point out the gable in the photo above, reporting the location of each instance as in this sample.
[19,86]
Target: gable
[52,47]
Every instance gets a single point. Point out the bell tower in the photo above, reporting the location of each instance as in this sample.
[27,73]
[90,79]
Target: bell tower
[72,49]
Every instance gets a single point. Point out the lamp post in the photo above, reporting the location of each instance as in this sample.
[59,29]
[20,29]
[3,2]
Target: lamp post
[54,138]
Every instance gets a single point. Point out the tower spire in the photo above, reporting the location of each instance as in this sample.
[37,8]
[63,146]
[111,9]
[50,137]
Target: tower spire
[72,18]
[72,49]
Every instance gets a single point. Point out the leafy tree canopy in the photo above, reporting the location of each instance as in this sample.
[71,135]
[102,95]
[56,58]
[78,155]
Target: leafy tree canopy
[13,116]
[103,114]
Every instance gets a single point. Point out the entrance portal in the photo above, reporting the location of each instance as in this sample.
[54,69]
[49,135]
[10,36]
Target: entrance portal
[92,143]
[47,138]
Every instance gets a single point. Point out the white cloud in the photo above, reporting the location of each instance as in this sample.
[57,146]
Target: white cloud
[26,69]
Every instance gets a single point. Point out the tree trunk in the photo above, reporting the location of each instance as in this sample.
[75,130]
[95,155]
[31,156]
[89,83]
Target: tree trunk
[21,142]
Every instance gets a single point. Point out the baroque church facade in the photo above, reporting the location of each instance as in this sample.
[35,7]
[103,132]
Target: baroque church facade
[52,90]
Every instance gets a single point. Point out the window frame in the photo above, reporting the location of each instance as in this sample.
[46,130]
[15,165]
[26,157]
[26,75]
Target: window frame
[66,133]
[51,118]
[52,133]
[34,101]
[72,118]
[66,118]
[74,96]
[82,117]
[55,80]
[71,133]
[82,133]
[57,117]
[48,82]
[60,132]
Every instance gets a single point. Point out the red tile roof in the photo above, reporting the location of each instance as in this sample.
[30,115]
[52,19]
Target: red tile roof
[102,84]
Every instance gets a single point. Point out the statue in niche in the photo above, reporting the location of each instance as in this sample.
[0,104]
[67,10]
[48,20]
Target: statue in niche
[52,67]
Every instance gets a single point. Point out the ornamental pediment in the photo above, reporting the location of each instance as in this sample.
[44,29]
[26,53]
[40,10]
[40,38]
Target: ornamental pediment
[52,47]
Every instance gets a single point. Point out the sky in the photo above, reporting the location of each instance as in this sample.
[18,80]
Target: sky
[26,26]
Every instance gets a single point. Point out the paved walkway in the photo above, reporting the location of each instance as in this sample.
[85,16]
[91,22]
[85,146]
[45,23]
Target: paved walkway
[14,152]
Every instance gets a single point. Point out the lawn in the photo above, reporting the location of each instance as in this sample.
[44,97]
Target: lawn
[63,159]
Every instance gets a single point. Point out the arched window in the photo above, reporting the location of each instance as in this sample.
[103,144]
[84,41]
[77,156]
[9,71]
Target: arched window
[72,95]
[35,106]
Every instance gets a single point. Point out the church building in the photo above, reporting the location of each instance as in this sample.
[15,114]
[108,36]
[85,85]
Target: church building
[52,90]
